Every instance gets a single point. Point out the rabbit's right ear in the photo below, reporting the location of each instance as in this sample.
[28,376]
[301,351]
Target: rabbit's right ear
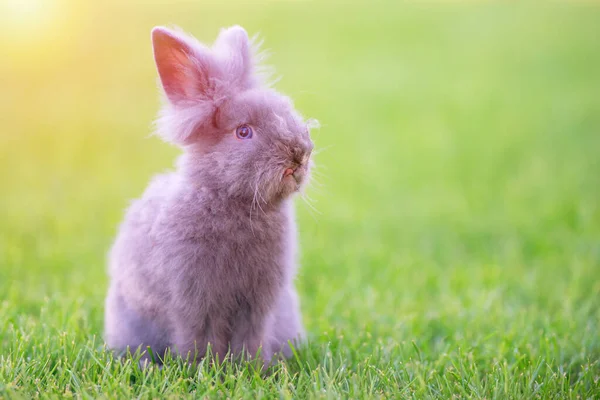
[183,65]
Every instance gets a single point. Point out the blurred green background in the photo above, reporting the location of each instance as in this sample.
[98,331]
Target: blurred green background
[455,246]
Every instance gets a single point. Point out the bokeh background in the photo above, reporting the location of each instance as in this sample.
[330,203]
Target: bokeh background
[456,230]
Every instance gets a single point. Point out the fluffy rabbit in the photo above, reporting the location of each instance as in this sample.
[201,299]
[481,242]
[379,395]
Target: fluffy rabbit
[207,255]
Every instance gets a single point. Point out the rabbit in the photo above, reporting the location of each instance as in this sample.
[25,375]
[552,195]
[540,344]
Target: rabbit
[207,256]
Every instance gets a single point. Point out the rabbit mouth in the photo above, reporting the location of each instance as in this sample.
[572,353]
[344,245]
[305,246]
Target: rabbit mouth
[292,182]
[294,177]
[296,174]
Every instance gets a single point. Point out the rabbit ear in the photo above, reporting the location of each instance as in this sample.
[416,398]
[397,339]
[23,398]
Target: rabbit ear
[183,65]
[234,49]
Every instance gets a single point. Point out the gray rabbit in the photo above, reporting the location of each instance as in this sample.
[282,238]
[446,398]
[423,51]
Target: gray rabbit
[207,254]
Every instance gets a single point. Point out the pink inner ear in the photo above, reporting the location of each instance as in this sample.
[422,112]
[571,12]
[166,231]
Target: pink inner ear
[180,73]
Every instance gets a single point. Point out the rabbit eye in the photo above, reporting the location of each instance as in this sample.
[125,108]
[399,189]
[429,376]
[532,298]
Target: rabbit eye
[243,132]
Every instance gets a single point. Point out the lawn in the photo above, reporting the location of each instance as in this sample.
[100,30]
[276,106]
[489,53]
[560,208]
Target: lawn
[454,249]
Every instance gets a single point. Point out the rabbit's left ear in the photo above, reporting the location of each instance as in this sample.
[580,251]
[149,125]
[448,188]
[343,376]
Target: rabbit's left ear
[234,49]
[185,67]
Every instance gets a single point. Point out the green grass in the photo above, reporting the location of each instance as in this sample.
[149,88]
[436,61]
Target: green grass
[456,252]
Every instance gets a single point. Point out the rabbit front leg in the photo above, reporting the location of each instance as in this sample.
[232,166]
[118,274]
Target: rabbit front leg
[286,326]
[189,321]
[192,340]
[249,336]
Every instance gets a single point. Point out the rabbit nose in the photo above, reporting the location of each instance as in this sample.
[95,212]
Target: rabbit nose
[302,154]
[298,157]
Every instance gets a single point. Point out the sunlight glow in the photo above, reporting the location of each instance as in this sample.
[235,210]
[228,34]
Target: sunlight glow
[26,17]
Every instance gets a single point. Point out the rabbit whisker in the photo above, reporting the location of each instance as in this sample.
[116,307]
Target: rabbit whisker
[307,200]
[321,149]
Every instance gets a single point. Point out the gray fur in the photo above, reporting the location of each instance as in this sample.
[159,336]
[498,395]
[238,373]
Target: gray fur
[207,255]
